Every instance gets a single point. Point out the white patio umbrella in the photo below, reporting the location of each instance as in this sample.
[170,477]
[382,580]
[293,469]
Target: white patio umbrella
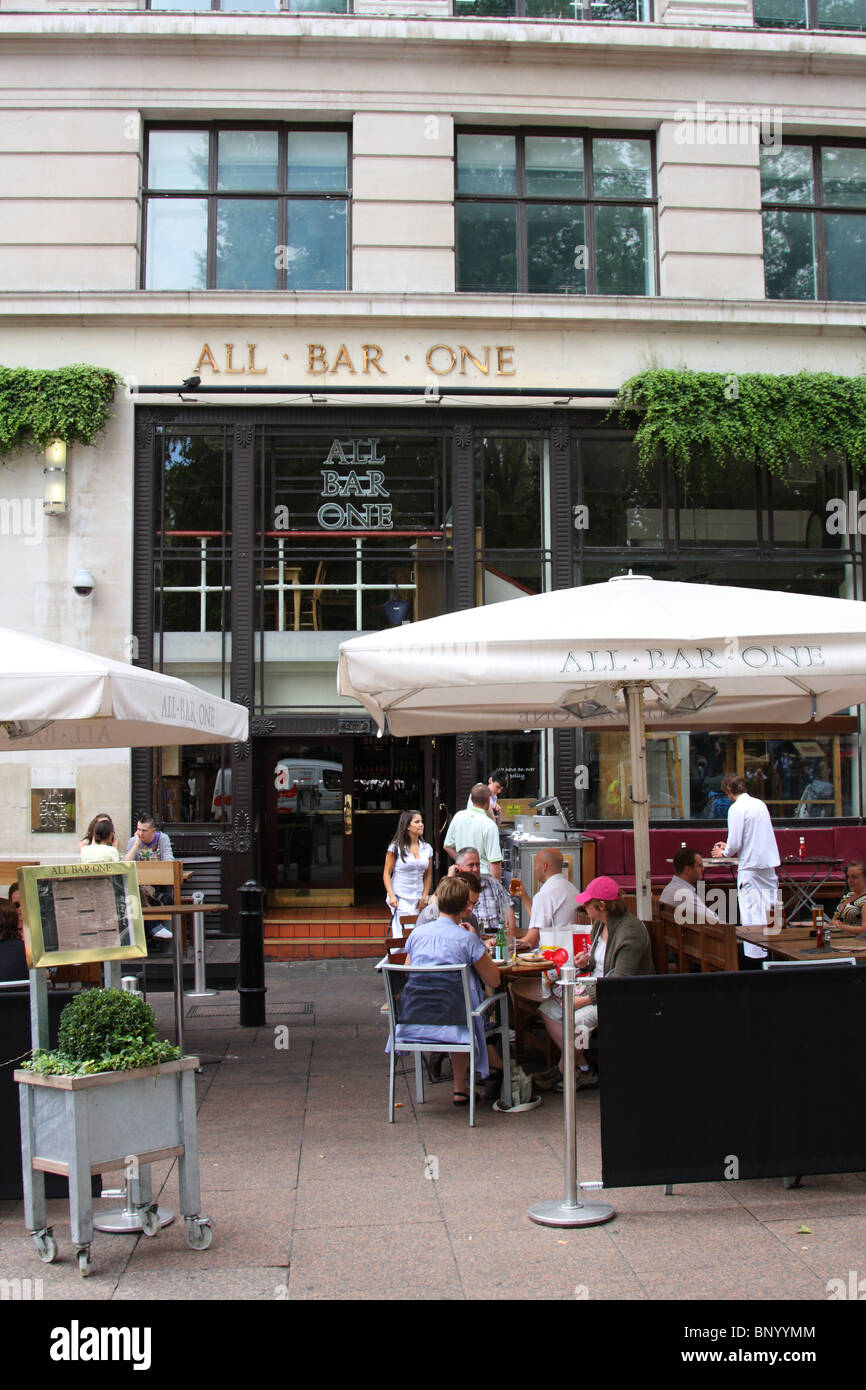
[54,697]
[625,654]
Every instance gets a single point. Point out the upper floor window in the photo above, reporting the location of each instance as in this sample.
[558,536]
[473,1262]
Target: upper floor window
[246,208]
[555,213]
[810,14]
[254,6]
[609,10]
[814,201]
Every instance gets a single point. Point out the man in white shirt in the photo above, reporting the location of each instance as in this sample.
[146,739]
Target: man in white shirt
[752,842]
[475,828]
[551,915]
[682,894]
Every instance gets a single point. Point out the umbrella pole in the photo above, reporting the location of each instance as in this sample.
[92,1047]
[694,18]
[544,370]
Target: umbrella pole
[639,800]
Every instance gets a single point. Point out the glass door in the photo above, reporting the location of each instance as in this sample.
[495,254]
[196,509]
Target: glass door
[307,826]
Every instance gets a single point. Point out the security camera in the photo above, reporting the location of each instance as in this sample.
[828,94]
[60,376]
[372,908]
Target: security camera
[83,583]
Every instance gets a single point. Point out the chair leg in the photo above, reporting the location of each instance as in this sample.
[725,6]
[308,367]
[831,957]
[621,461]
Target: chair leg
[472,1085]
[391,1086]
[419,1079]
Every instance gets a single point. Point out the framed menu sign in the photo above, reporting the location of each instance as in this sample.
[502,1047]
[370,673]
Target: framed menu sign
[74,913]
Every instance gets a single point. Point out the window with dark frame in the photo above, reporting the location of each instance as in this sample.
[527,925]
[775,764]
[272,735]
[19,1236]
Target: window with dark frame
[810,14]
[555,212]
[616,11]
[246,207]
[254,6]
[814,214]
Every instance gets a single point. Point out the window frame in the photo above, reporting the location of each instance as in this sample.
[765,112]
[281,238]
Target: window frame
[585,17]
[282,194]
[819,210]
[811,25]
[215,7]
[589,202]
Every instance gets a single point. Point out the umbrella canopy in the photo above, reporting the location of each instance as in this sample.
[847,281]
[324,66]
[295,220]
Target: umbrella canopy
[679,656]
[54,697]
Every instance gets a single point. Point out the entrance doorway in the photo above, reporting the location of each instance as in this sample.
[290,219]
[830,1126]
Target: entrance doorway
[307,839]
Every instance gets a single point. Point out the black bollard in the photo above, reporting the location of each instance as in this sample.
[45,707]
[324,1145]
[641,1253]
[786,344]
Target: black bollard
[251,974]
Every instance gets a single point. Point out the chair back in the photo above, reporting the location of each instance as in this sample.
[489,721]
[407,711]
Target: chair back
[432,1006]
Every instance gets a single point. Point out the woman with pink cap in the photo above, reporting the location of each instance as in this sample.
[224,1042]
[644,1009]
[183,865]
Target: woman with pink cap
[619,945]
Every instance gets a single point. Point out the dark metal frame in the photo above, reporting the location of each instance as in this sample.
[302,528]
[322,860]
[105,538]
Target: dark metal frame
[239,842]
[588,202]
[281,195]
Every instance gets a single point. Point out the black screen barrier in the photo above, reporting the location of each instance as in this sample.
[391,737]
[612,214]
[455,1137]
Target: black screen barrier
[714,1076]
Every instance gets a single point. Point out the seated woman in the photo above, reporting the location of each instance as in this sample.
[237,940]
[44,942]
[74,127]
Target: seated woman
[444,941]
[850,913]
[102,848]
[13,961]
[619,945]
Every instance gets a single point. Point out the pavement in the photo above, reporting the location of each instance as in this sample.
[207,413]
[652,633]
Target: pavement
[315,1196]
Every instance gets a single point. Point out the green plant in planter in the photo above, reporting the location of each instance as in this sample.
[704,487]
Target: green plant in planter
[104,1030]
[38,405]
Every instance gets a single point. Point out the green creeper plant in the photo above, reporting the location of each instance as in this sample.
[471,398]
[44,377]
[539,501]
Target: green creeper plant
[38,405]
[703,422]
[104,1030]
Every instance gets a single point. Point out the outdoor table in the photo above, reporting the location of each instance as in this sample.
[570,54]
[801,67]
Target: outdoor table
[178,911]
[821,869]
[796,943]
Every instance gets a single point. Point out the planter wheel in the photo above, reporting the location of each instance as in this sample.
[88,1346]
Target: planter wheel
[149,1220]
[46,1245]
[199,1232]
[84,1262]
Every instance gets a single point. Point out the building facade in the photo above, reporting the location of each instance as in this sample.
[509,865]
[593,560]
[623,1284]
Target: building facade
[418,250]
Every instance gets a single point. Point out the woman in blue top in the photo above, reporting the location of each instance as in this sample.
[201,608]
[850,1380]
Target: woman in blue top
[444,941]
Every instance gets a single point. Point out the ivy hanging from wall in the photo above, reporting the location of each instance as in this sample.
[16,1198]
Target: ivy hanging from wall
[38,406]
[702,423]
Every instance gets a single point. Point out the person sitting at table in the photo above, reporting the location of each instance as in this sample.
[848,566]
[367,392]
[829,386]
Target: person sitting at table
[468,917]
[619,945]
[102,846]
[682,894]
[850,913]
[444,941]
[13,898]
[13,958]
[551,911]
[88,834]
[494,901]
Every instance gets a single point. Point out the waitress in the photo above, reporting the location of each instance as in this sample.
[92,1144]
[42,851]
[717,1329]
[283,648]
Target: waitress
[408,869]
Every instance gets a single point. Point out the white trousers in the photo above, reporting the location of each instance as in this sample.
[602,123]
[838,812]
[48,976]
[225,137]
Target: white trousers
[757,890]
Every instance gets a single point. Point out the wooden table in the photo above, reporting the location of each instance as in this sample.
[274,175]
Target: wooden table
[795,943]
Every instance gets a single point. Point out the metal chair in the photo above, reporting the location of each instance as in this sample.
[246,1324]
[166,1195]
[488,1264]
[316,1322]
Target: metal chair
[459,1012]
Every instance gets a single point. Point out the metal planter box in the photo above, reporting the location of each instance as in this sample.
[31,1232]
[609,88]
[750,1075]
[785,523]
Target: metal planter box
[80,1125]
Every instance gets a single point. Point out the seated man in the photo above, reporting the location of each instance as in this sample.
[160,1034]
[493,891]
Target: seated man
[150,843]
[551,911]
[682,894]
[468,916]
[551,918]
[494,902]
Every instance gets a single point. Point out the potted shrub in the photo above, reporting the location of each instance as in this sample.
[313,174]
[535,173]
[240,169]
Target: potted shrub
[110,1091]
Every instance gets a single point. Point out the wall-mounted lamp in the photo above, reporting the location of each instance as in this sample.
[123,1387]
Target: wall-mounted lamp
[54,501]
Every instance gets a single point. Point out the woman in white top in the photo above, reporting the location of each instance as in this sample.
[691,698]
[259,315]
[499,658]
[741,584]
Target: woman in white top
[103,847]
[408,868]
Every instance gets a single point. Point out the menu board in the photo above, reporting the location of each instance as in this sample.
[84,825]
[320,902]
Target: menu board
[75,913]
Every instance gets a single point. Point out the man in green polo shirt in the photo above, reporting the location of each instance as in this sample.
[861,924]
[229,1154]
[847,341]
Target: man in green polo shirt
[473,827]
